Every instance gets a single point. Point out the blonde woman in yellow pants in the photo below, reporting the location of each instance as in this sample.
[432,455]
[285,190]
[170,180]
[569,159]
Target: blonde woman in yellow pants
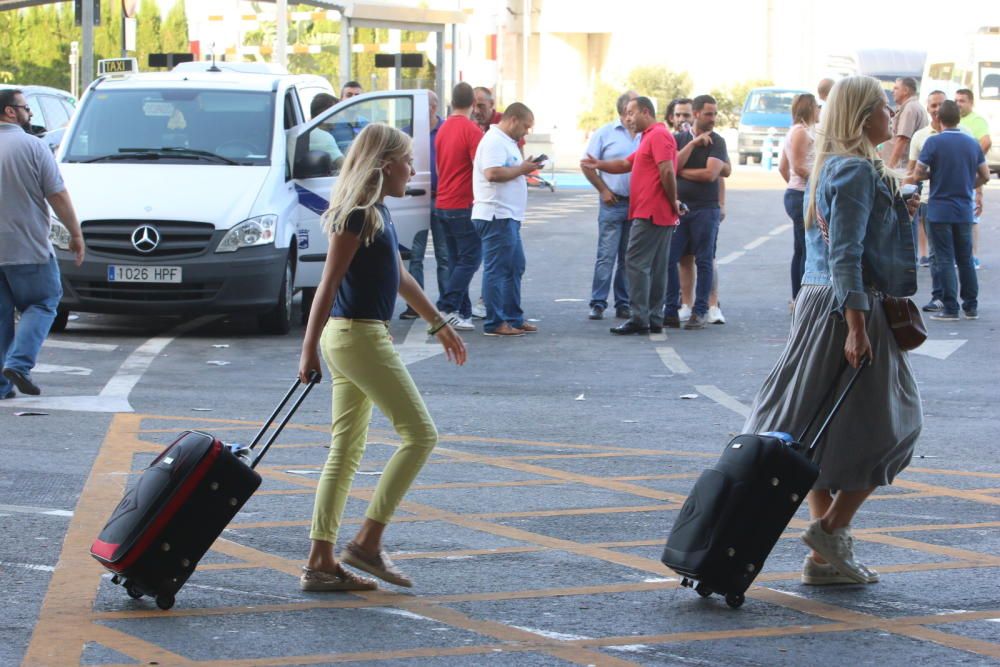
[349,321]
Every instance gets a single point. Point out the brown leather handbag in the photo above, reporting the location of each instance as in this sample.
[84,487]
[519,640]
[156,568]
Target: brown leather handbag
[905,321]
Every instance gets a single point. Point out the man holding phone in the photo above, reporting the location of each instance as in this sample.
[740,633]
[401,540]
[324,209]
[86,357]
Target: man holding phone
[500,193]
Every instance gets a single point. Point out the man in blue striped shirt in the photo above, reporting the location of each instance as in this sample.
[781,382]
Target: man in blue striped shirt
[614,141]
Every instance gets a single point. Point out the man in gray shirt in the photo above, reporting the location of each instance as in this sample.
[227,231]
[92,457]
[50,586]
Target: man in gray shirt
[29,273]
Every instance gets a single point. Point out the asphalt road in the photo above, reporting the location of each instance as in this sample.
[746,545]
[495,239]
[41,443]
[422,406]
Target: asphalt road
[534,532]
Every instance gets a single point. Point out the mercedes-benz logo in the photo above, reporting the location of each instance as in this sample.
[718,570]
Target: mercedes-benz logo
[145,239]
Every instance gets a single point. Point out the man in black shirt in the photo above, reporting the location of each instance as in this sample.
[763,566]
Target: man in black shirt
[702,159]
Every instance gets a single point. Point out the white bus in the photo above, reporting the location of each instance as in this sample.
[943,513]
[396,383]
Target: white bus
[972,64]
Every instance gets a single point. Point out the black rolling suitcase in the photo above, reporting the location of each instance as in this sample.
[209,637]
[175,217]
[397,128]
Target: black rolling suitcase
[181,503]
[738,508]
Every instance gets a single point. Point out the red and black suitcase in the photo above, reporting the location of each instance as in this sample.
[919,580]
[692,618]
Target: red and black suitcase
[179,506]
[739,507]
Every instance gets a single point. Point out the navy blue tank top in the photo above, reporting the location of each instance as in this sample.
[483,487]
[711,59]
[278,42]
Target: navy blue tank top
[368,290]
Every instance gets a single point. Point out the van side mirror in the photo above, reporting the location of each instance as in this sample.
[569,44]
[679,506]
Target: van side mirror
[314,164]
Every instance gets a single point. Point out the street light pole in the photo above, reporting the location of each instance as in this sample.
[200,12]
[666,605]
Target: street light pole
[87,28]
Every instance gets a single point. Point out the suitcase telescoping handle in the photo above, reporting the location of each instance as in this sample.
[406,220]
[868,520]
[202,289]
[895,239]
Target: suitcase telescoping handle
[836,406]
[313,379]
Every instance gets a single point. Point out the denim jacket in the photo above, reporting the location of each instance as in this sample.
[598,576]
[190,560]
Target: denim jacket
[869,245]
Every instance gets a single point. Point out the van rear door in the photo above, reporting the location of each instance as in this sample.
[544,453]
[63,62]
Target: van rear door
[333,133]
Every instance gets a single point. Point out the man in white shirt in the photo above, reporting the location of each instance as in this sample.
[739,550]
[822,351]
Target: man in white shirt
[500,197]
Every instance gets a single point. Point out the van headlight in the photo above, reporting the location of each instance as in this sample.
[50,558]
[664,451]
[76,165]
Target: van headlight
[251,232]
[58,234]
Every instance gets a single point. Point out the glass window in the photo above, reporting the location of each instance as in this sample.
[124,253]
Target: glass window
[348,122]
[38,118]
[235,125]
[989,80]
[771,101]
[55,114]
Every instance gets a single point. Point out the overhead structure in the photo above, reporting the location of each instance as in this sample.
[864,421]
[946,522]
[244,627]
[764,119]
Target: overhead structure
[402,16]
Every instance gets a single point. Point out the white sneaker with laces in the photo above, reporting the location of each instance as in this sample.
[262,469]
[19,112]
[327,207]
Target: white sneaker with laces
[459,323]
[715,316]
[479,310]
[684,314]
[837,548]
[822,574]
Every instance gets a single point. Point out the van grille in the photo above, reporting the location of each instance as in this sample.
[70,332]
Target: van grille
[177,239]
[147,292]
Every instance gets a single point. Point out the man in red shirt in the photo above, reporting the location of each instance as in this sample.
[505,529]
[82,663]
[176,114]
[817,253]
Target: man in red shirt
[455,148]
[654,211]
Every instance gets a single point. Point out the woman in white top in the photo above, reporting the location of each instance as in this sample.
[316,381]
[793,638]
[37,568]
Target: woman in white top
[797,157]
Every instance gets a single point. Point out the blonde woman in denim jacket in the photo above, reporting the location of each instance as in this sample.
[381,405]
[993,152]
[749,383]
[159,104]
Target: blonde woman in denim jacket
[859,242]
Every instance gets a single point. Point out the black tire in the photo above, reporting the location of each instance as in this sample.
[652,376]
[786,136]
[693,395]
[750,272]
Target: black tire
[164,602]
[278,321]
[132,592]
[62,318]
[743,158]
[703,590]
[308,294]
[735,600]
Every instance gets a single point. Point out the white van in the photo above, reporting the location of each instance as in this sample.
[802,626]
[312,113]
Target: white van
[973,64]
[197,192]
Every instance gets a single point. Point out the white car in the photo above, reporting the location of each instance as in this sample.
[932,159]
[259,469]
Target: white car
[197,192]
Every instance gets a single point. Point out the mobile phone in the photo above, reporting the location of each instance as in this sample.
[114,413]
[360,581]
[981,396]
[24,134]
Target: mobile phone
[911,189]
[540,159]
[682,208]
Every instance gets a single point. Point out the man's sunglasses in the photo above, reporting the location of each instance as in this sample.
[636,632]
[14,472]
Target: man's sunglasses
[20,106]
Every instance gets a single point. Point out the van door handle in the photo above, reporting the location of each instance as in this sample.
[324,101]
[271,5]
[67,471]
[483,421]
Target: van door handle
[415,192]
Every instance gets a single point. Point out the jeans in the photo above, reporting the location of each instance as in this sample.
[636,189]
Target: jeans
[465,251]
[953,245]
[34,290]
[648,248]
[793,207]
[365,370]
[696,236]
[612,242]
[503,267]
[921,218]
[419,248]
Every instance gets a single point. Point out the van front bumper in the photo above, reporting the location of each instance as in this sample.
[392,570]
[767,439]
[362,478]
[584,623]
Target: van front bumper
[246,280]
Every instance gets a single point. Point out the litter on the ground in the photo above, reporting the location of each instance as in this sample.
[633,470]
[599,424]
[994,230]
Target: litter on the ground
[217,363]
[689,396]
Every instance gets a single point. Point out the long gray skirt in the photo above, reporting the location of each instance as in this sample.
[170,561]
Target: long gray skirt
[872,437]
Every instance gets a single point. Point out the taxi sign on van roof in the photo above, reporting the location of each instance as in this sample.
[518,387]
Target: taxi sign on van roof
[117,66]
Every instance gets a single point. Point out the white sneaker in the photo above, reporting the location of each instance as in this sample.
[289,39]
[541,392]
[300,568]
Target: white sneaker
[459,323]
[479,310]
[822,574]
[837,548]
[684,314]
[715,316]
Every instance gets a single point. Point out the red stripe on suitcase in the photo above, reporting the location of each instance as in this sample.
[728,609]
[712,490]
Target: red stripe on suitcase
[104,550]
[166,514]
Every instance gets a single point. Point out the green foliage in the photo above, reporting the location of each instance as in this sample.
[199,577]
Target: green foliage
[657,83]
[35,42]
[730,101]
[660,85]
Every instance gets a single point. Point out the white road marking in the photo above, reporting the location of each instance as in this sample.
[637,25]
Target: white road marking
[672,360]
[28,566]
[757,242]
[781,229]
[939,349]
[731,257]
[28,509]
[723,399]
[76,345]
[415,346]
[114,396]
[66,370]
[658,337]
[561,636]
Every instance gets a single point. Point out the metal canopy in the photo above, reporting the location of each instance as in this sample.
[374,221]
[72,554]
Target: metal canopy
[363,15]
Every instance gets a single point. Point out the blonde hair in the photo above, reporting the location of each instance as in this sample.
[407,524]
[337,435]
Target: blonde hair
[842,132]
[359,185]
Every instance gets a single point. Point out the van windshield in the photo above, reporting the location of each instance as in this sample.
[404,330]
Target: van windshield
[989,80]
[175,126]
[770,101]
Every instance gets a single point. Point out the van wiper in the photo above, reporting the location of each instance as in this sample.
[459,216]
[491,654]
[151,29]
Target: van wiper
[159,153]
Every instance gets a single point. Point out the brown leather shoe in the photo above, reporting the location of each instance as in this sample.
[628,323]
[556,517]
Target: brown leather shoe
[527,327]
[376,564]
[505,330]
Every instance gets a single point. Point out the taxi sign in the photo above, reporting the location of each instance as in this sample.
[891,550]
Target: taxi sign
[117,66]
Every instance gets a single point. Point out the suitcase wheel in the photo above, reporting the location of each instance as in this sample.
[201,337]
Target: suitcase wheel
[165,602]
[703,590]
[735,600]
[132,591]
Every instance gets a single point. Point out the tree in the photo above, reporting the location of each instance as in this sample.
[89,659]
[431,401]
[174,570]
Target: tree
[174,34]
[603,109]
[660,85]
[730,101]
